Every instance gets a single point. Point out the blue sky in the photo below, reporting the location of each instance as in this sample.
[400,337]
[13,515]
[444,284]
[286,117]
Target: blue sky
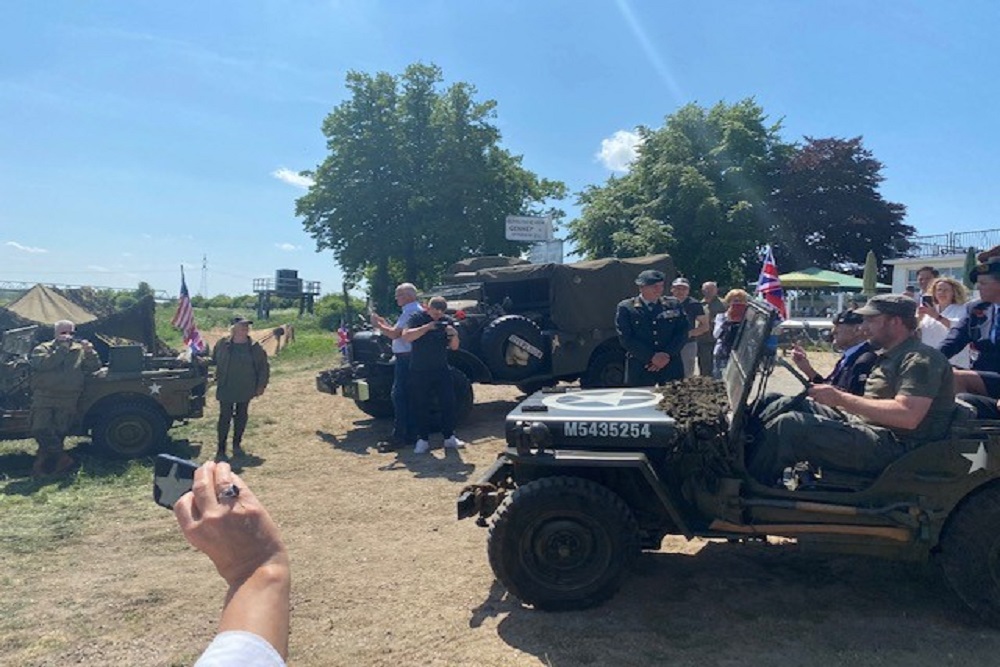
[139,137]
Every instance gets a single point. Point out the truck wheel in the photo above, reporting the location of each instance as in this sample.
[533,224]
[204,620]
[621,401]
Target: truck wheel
[970,553]
[512,348]
[562,543]
[129,430]
[606,370]
[376,408]
[463,401]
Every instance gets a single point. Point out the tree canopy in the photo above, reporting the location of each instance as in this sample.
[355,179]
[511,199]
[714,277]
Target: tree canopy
[713,186]
[416,179]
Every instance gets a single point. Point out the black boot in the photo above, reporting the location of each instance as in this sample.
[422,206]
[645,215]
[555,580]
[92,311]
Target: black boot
[220,454]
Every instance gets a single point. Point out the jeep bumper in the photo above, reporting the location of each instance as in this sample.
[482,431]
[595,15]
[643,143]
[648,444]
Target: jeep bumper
[485,495]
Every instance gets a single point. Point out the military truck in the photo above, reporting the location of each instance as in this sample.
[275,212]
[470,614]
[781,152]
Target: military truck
[530,325]
[126,407]
[591,477]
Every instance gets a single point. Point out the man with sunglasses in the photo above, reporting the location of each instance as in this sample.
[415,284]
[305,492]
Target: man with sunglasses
[432,334]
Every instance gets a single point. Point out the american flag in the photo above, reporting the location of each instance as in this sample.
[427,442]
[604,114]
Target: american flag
[769,285]
[343,338]
[184,319]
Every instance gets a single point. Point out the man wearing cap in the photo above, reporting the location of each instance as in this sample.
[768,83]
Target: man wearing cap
[653,329]
[979,328]
[713,307]
[58,373]
[856,362]
[404,428]
[909,399]
[241,374]
[697,322]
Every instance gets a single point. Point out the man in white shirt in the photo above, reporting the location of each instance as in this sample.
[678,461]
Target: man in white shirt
[404,424]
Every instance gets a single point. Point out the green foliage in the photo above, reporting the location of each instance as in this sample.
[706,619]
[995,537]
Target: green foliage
[415,179]
[699,190]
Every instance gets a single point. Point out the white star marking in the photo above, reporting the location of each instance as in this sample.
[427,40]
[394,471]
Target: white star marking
[608,400]
[154,389]
[979,459]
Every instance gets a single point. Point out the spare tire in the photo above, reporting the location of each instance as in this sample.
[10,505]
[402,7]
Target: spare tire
[512,348]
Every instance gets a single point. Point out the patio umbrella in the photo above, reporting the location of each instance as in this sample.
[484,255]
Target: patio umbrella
[799,280]
[970,263]
[869,280]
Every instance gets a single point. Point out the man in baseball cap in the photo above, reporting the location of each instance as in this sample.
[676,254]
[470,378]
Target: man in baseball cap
[909,399]
[697,322]
[851,371]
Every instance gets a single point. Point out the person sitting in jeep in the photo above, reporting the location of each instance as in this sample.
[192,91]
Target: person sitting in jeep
[909,399]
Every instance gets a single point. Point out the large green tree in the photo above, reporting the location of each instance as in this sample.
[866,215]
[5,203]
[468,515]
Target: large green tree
[828,210]
[699,189]
[416,179]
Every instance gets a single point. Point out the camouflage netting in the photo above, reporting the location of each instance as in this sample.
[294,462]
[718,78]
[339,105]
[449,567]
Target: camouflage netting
[695,401]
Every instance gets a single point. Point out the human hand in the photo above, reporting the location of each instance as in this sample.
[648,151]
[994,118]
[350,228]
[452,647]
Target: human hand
[658,362]
[236,533]
[826,394]
[798,354]
[923,309]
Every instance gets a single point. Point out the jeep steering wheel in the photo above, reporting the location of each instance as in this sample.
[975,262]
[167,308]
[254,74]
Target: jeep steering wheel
[766,416]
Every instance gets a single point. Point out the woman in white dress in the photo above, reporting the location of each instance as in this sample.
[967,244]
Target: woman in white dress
[947,309]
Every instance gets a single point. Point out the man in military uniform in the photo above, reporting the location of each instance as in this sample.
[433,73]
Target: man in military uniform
[909,399]
[856,362]
[653,329]
[58,372]
[979,328]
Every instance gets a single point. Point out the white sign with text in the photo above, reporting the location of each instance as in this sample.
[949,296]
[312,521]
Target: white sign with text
[527,228]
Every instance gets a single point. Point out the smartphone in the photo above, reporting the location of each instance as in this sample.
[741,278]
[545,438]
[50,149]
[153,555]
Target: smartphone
[927,300]
[172,478]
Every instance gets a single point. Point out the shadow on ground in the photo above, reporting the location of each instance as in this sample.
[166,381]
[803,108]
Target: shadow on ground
[755,604]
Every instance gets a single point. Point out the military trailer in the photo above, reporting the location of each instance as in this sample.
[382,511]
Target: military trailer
[530,325]
[589,478]
[126,407]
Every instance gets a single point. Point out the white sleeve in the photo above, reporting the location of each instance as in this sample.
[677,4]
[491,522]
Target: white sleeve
[237,648]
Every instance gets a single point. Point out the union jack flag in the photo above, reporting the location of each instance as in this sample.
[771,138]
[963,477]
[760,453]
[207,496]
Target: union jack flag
[184,320]
[343,338]
[769,284]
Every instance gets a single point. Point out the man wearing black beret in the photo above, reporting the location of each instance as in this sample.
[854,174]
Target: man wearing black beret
[653,329]
[855,363]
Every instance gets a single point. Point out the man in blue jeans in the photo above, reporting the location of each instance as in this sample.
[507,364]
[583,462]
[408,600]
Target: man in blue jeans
[432,335]
[404,426]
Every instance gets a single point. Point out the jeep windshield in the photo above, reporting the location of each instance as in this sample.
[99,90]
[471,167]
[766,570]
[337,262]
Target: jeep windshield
[753,343]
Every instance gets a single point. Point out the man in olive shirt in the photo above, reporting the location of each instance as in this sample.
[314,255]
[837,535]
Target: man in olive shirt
[909,400]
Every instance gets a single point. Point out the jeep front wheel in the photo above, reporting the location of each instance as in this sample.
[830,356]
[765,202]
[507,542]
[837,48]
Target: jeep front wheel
[970,554]
[129,430]
[562,543]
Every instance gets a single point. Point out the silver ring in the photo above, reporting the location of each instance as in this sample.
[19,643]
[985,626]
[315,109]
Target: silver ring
[231,491]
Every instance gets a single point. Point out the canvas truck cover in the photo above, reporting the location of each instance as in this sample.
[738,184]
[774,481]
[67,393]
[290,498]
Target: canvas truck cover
[583,295]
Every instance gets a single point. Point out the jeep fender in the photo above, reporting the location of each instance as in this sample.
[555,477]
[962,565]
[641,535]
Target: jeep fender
[96,409]
[634,479]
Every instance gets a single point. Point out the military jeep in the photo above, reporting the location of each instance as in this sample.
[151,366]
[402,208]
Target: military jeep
[591,477]
[529,325]
[126,407]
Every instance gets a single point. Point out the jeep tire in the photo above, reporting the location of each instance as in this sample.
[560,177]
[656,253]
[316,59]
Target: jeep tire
[970,553]
[562,543]
[497,339]
[607,369]
[129,430]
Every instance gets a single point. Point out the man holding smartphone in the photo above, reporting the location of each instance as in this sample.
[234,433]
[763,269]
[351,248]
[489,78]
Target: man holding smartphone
[58,372]
[432,335]
[403,426]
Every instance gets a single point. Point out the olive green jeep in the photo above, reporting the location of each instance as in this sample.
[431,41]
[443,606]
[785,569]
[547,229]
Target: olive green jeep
[126,407]
[591,477]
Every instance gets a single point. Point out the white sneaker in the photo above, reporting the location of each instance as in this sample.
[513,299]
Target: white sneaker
[422,447]
[454,443]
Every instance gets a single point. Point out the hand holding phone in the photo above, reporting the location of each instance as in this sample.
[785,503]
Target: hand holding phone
[927,300]
[172,478]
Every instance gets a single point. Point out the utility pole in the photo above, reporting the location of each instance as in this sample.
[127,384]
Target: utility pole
[203,288]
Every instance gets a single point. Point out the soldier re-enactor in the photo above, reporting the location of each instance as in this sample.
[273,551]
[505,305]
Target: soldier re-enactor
[242,372]
[909,399]
[653,329]
[58,372]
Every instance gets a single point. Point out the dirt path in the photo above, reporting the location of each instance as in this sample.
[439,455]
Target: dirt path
[385,575]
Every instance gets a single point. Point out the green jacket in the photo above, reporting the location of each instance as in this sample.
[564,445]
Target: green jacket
[236,383]
[59,371]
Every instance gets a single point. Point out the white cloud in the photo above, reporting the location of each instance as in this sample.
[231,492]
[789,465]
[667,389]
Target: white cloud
[24,248]
[292,178]
[287,247]
[619,150]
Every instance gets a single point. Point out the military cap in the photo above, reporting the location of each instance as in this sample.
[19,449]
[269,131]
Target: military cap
[240,320]
[889,304]
[650,277]
[680,280]
[848,317]
[990,266]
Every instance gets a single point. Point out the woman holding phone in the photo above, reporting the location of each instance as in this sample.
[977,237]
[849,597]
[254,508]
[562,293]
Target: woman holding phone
[938,311]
